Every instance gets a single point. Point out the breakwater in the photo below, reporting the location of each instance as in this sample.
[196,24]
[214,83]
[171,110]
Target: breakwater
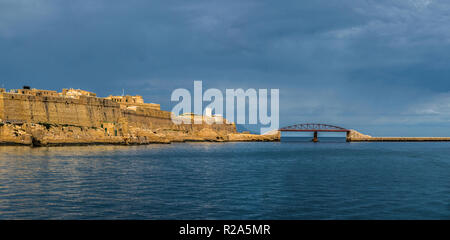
[355,136]
[401,139]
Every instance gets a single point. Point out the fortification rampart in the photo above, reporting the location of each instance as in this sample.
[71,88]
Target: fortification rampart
[87,111]
[83,111]
[42,117]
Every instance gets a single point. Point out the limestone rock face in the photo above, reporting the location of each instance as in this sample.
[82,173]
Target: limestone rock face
[144,136]
[357,135]
[14,135]
[241,137]
[53,134]
[209,135]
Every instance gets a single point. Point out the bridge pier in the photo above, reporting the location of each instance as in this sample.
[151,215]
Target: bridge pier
[315,139]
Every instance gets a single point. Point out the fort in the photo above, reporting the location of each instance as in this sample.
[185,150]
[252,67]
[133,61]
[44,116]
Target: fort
[43,118]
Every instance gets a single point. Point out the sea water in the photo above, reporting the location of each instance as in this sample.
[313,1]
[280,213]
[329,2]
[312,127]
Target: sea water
[258,180]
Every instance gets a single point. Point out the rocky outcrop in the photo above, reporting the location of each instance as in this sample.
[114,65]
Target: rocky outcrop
[38,134]
[355,135]
[13,134]
[244,137]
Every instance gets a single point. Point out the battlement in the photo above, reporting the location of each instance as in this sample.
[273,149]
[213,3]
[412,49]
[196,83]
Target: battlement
[133,102]
[76,93]
[127,99]
[71,106]
[34,92]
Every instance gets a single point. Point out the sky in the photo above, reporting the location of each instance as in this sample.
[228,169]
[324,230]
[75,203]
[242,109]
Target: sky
[381,67]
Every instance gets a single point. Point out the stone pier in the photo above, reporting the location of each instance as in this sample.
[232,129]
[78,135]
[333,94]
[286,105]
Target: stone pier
[355,136]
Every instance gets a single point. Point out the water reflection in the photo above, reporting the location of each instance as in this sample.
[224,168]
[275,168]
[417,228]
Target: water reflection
[226,180]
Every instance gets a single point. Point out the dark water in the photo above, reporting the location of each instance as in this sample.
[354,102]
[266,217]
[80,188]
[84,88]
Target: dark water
[287,180]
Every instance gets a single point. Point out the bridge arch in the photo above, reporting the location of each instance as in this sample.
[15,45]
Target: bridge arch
[314,127]
[311,127]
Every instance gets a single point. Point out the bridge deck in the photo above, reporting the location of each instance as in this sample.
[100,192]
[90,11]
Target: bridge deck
[313,127]
[314,130]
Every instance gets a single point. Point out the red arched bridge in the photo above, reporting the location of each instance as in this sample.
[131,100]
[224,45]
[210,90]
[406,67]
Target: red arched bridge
[314,127]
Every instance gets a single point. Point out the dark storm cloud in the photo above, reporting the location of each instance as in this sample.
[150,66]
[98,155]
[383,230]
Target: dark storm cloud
[371,65]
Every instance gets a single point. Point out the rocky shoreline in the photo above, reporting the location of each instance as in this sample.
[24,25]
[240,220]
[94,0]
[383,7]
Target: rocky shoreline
[41,134]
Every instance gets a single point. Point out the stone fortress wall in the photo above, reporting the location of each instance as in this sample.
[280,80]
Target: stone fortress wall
[82,108]
[82,111]
[77,116]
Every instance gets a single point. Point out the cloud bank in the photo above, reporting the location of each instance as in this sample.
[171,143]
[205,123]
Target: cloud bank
[378,66]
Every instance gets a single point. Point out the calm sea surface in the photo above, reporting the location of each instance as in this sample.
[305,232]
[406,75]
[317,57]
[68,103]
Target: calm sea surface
[283,180]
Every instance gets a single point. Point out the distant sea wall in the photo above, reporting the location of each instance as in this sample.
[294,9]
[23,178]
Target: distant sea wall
[355,136]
